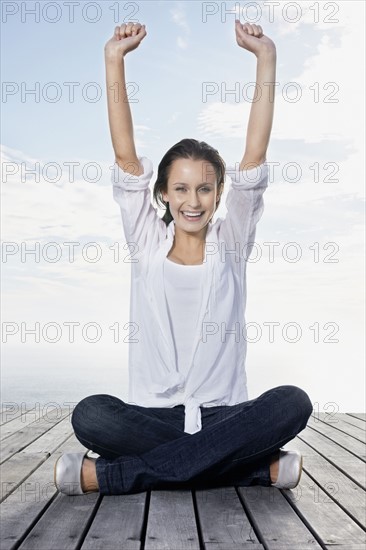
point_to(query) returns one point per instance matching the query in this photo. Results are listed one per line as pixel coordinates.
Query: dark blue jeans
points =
(144, 448)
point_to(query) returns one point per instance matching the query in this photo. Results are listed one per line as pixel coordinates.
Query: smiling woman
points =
(190, 168)
(188, 421)
(189, 185)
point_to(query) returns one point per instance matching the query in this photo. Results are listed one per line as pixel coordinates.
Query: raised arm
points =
(251, 38)
(126, 38)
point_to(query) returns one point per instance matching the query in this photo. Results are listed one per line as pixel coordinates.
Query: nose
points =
(194, 201)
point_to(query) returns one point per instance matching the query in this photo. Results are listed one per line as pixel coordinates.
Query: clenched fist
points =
(125, 39)
(250, 37)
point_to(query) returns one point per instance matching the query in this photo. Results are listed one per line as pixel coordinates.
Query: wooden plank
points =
(16, 470)
(361, 416)
(337, 422)
(12, 410)
(279, 526)
(23, 507)
(332, 525)
(352, 420)
(351, 465)
(334, 482)
(118, 523)
(234, 546)
(19, 466)
(346, 441)
(171, 522)
(63, 523)
(20, 439)
(23, 514)
(224, 524)
(52, 439)
(20, 422)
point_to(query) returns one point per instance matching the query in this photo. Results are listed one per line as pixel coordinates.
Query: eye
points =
(206, 189)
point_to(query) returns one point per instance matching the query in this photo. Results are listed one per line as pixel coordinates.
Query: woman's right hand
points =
(125, 39)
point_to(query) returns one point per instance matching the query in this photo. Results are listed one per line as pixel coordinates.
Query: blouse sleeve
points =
(244, 204)
(140, 219)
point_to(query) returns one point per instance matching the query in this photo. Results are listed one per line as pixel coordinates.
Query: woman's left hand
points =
(250, 37)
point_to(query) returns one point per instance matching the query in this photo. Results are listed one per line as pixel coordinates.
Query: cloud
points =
(174, 117)
(142, 136)
(182, 43)
(319, 104)
(42, 219)
(179, 18)
(319, 99)
(289, 17)
(323, 131)
(223, 119)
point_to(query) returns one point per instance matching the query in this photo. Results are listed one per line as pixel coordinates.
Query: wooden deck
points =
(327, 509)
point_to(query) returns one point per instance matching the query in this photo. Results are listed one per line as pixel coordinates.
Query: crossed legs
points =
(142, 448)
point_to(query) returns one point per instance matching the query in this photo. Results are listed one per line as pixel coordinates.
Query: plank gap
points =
(145, 520)
(307, 524)
(329, 494)
(335, 443)
(342, 430)
(251, 519)
(339, 468)
(34, 522)
(89, 523)
(360, 416)
(197, 518)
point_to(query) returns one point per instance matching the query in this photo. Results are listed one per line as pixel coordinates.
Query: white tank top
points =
(183, 295)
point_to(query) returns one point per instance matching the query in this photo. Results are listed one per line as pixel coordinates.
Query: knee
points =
(298, 402)
(89, 411)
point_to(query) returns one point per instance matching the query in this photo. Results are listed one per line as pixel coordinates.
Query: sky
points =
(64, 260)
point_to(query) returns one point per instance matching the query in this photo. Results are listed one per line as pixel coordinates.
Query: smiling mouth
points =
(193, 217)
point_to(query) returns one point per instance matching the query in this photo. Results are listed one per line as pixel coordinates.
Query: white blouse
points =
(215, 373)
(182, 284)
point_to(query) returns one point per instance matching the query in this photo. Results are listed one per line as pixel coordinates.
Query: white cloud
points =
(142, 136)
(37, 214)
(223, 119)
(330, 75)
(288, 17)
(180, 19)
(182, 43)
(333, 72)
(141, 128)
(36, 289)
(330, 103)
(174, 117)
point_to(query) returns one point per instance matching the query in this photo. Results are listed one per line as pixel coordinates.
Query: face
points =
(192, 189)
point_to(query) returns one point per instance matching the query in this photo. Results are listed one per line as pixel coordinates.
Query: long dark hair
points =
(187, 148)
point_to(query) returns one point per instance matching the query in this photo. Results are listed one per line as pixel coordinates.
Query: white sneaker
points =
(289, 469)
(67, 473)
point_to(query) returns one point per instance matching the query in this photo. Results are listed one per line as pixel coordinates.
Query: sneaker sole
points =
(54, 472)
(300, 471)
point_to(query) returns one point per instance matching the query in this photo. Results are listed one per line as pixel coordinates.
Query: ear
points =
(165, 197)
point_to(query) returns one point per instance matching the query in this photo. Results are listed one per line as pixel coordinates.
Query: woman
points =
(188, 422)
